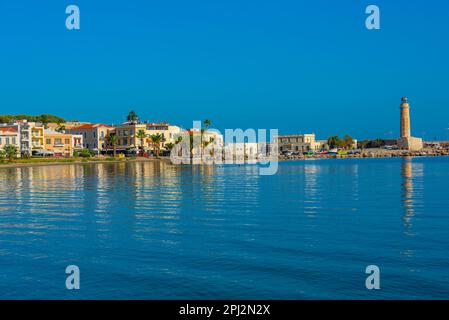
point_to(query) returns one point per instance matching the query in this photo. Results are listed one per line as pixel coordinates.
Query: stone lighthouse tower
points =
(405, 118)
(407, 142)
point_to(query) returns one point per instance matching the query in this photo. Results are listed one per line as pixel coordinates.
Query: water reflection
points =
(412, 190)
(154, 230)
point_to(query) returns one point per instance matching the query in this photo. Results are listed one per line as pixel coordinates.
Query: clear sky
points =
(299, 66)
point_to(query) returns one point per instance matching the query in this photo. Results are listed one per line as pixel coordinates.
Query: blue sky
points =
(299, 66)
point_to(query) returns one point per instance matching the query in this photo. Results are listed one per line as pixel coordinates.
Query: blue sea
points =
(152, 230)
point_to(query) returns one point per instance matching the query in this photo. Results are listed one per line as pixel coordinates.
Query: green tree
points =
(2, 155)
(378, 143)
(132, 117)
(169, 146)
(113, 140)
(334, 142)
(363, 144)
(156, 140)
(44, 119)
(10, 152)
(348, 141)
(141, 135)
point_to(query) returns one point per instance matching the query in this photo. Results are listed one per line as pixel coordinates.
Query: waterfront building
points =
(37, 137)
(9, 135)
(93, 135)
(167, 131)
(298, 143)
(59, 144)
(128, 131)
(406, 141)
(22, 129)
(127, 136)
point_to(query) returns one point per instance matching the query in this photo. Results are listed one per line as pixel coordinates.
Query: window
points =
(67, 141)
(13, 140)
(0, 140)
(7, 141)
(58, 141)
(48, 141)
(95, 134)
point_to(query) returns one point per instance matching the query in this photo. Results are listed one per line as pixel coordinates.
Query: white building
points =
(9, 135)
(298, 143)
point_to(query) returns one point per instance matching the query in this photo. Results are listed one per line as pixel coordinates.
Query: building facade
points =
(37, 137)
(59, 144)
(94, 136)
(128, 139)
(297, 143)
(9, 135)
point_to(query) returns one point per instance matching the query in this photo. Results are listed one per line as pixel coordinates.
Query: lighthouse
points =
(406, 141)
(405, 118)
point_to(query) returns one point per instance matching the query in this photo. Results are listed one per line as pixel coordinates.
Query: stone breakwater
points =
(377, 153)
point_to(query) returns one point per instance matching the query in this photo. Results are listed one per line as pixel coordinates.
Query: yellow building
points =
(37, 137)
(60, 144)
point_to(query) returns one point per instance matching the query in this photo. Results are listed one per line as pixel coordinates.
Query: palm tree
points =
(156, 139)
(206, 125)
(141, 135)
(113, 140)
(169, 146)
(132, 117)
(60, 128)
(10, 151)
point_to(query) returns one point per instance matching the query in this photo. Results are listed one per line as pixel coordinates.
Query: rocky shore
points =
(373, 153)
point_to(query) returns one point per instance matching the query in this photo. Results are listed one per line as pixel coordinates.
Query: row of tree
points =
(43, 118)
(371, 143)
(336, 142)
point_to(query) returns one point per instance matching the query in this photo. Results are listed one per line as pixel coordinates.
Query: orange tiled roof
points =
(91, 126)
(8, 129)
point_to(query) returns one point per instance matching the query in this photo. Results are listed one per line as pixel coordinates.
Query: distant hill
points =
(43, 118)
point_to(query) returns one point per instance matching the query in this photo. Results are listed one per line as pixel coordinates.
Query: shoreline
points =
(280, 159)
(76, 162)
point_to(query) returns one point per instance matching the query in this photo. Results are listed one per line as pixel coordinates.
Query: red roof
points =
(91, 126)
(8, 129)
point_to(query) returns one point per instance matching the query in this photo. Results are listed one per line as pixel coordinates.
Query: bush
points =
(85, 153)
